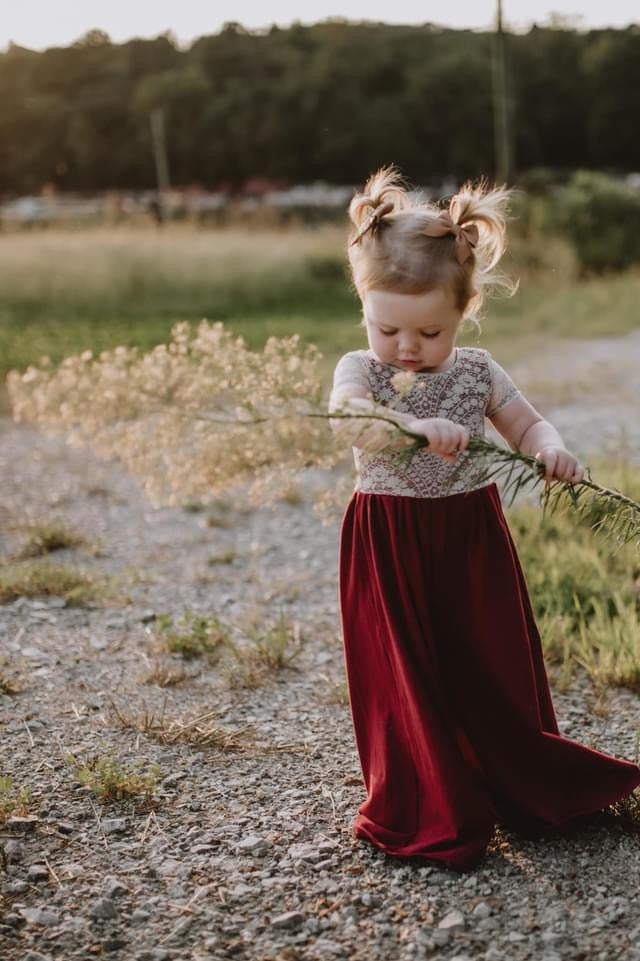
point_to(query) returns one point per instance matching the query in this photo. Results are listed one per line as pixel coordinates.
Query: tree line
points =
(329, 101)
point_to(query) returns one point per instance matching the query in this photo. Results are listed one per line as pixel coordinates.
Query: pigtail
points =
(488, 208)
(386, 187)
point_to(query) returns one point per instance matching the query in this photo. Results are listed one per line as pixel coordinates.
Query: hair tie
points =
(373, 220)
(466, 234)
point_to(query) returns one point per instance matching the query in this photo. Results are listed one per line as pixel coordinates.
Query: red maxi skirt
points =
(450, 701)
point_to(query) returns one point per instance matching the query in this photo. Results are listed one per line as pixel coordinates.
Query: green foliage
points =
(113, 781)
(600, 216)
(312, 102)
(193, 635)
(42, 577)
(12, 801)
(585, 596)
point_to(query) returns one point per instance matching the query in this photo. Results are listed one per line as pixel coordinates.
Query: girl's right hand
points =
(445, 438)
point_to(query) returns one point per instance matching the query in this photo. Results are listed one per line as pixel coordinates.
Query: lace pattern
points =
(475, 387)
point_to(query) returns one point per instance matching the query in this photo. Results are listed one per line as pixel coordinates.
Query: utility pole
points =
(161, 159)
(501, 113)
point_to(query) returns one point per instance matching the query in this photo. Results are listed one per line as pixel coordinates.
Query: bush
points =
(600, 216)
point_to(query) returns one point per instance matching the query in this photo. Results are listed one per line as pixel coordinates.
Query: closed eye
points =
(390, 333)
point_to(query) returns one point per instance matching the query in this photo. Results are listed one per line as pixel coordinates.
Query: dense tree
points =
(329, 101)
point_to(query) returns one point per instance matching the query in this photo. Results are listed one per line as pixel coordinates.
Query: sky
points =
(38, 24)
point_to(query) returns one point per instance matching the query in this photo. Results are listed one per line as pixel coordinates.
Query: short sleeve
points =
(349, 377)
(503, 388)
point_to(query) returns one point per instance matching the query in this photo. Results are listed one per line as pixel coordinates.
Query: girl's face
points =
(412, 331)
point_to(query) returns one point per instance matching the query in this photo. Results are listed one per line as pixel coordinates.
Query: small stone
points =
(38, 872)
(113, 887)
(147, 616)
(16, 887)
(14, 851)
(36, 956)
(114, 825)
(24, 825)
(481, 910)
(304, 852)
(39, 916)
(252, 844)
(453, 919)
(289, 920)
(65, 827)
(103, 909)
(139, 916)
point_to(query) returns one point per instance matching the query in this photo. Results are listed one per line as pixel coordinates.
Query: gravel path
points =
(247, 852)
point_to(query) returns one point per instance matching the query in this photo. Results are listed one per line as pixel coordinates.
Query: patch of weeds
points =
(200, 731)
(112, 781)
(272, 648)
(194, 507)
(44, 537)
(167, 674)
(227, 557)
(193, 636)
(292, 495)
(627, 810)
(7, 684)
(43, 577)
(335, 692)
(13, 802)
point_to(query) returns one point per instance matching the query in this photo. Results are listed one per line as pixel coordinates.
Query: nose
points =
(407, 346)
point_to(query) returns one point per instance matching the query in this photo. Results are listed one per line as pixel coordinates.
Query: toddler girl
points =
(451, 706)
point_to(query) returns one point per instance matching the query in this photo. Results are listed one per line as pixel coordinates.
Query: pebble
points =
(453, 919)
(103, 909)
(114, 825)
(39, 916)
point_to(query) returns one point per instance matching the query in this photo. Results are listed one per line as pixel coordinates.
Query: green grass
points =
(63, 292)
(585, 591)
(41, 577)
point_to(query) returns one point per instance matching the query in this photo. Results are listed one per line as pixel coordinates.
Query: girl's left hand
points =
(560, 463)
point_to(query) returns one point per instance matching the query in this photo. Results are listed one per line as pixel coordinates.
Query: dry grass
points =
(41, 577)
(168, 674)
(45, 537)
(200, 731)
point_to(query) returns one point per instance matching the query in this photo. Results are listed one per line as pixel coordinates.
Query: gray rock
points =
(453, 919)
(38, 872)
(481, 910)
(14, 851)
(39, 916)
(113, 887)
(253, 844)
(23, 824)
(114, 825)
(103, 909)
(292, 919)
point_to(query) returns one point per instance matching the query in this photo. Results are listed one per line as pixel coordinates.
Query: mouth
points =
(413, 362)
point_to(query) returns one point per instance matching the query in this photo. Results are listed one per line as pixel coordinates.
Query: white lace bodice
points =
(473, 388)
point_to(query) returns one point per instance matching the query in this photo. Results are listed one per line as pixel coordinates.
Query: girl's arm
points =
(526, 430)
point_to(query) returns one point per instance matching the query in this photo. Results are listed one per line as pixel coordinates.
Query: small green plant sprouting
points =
(111, 781)
(272, 649)
(193, 636)
(12, 802)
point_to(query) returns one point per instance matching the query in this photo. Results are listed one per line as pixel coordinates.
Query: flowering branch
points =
(177, 417)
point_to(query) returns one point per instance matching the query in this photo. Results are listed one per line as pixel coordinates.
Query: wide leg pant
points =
(450, 701)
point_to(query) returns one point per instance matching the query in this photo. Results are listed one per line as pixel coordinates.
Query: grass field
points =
(63, 291)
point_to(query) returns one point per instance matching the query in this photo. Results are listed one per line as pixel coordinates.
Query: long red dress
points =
(451, 706)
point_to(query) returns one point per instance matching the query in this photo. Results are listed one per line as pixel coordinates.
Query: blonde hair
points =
(396, 255)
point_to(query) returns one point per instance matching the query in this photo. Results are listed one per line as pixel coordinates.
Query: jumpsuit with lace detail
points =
(450, 701)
